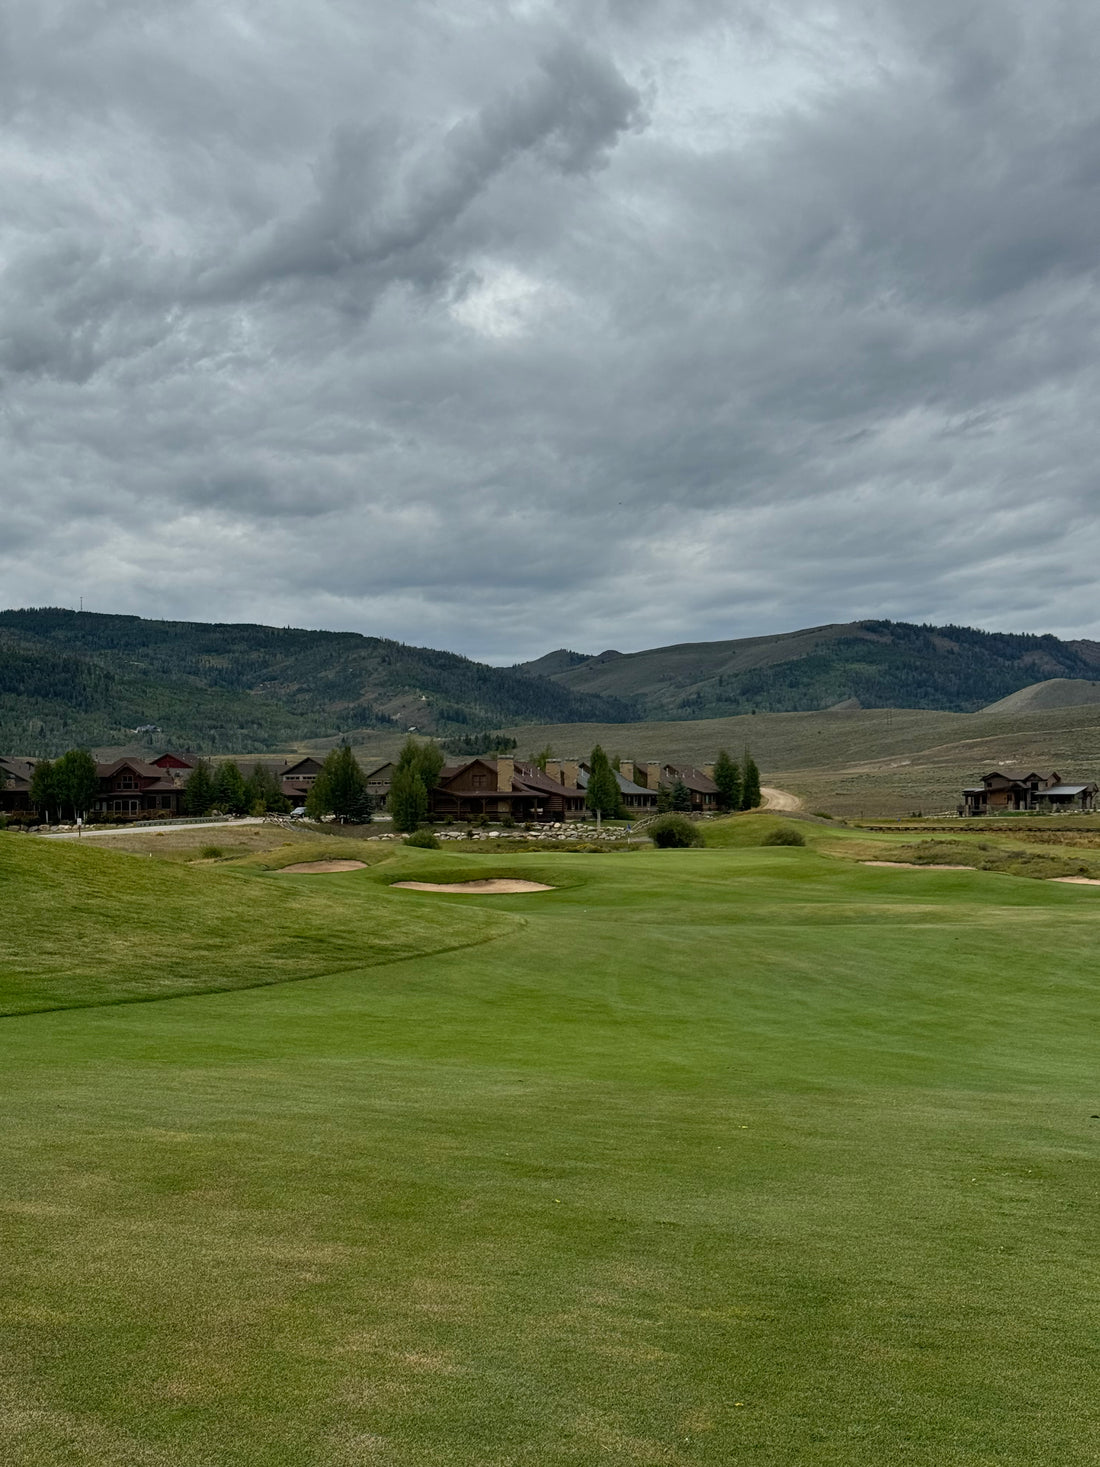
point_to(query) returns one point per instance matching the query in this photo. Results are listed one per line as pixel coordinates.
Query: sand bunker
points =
(919, 866)
(1078, 880)
(309, 868)
(496, 886)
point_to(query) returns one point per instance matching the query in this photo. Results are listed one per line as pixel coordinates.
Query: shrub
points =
(784, 835)
(210, 853)
(674, 831)
(424, 839)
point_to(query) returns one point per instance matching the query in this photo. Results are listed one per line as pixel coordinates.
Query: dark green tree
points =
(425, 759)
(264, 791)
(198, 792)
(664, 799)
(230, 792)
(750, 783)
(602, 795)
(727, 776)
(76, 783)
(43, 791)
(681, 796)
(408, 802)
(340, 789)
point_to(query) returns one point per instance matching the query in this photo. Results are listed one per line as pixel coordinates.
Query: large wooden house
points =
(499, 787)
(999, 793)
(135, 788)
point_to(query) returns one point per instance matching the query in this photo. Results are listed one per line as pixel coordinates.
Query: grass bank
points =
(91, 926)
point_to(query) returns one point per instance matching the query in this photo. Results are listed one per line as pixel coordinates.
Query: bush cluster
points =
(672, 831)
(784, 835)
(424, 839)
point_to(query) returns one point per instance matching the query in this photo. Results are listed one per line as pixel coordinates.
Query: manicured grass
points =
(88, 926)
(725, 1156)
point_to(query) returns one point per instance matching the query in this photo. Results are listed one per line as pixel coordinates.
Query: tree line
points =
(738, 786)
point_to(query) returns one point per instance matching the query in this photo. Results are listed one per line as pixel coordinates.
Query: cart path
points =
(780, 799)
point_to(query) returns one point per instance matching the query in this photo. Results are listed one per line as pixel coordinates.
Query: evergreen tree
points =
(198, 792)
(750, 783)
(664, 799)
(340, 789)
(543, 757)
(681, 796)
(424, 759)
(76, 783)
(43, 791)
(230, 793)
(264, 792)
(602, 795)
(727, 776)
(408, 800)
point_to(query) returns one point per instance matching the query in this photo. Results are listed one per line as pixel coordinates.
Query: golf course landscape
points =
(747, 1154)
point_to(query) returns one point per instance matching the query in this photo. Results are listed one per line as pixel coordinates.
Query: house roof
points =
(139, 767)
(693, 778)
(299, 763)
(1067, 789)
(626, 786)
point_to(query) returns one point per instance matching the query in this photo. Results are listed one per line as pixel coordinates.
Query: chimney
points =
(626, 769)
(553, 769)
(652, 775)
(570, 769)
(506, 768)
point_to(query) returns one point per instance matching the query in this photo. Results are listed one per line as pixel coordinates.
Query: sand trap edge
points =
(321, 868)
(490, 886)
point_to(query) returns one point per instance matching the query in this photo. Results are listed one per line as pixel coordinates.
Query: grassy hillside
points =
(878, 664)
(89, 926)
(876, 761)
(722, 1156)
(1056, 692)
(71, 677)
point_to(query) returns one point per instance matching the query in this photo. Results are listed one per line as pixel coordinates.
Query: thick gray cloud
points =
(498, 326)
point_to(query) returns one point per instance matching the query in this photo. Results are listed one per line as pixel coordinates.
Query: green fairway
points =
(728, 1156)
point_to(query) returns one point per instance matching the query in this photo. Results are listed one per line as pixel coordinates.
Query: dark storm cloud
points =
(499, 326)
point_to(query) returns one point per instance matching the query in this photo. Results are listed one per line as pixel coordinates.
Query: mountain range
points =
(70, 677)
(869, 664)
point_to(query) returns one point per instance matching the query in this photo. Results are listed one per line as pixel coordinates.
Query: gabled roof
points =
(17, 768)
(139, 767)
(693, 778)
(1067, 789)
(306, 759)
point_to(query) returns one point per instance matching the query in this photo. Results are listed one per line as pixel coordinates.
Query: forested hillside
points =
(878, 664)
(79, 677)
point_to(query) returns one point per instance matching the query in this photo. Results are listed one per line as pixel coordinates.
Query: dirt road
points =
(780, 799)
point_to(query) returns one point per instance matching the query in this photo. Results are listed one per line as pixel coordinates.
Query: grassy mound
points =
(92, 926)
(757, 828)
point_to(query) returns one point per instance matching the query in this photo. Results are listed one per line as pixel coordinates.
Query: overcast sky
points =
(505, 326)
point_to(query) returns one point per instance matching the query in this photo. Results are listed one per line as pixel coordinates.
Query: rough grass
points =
(87, 926)
(986, 857)
(719, 1156)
